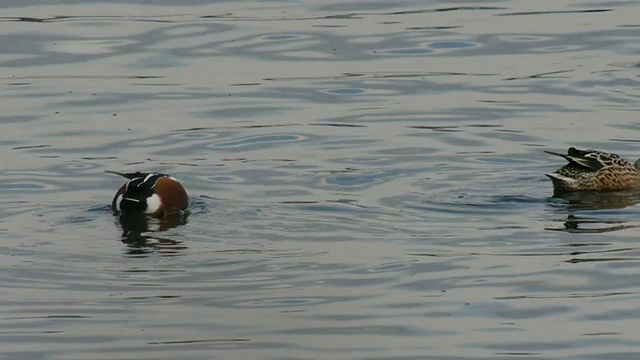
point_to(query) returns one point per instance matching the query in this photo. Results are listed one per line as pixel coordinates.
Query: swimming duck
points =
(156, 195)
(592, 170)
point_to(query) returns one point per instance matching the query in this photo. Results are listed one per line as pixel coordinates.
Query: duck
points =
(153, 194)
(593, 170)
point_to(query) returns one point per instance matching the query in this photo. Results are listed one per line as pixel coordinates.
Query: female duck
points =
(591, 170)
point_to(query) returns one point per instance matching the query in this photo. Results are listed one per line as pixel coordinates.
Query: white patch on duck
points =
(153, 204)
(118, 201)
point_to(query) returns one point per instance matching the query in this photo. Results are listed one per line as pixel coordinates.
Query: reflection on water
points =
(583, 224)
(576, 202)
(136, 229)
(367, 180)
(592, 200)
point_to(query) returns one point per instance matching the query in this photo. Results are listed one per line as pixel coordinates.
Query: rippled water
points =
(366, 179)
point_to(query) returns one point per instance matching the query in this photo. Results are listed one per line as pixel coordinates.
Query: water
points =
(366, 180)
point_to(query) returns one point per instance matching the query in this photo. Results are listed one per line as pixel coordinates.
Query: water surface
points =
(366, 179)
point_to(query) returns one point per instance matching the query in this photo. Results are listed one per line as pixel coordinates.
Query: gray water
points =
(366, 179)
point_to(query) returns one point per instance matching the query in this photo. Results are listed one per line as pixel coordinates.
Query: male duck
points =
(593, 170)
(157, 195)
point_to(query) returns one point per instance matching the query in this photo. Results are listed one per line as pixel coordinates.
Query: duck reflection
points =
(590, 201)
(598, 200)
(591, 225)
(138, 233)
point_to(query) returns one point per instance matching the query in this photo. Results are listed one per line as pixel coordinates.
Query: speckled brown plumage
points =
(591, 170)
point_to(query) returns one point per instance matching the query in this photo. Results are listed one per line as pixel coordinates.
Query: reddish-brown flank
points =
(172, 195)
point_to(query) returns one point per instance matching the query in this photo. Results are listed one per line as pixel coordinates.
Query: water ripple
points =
(366, 180)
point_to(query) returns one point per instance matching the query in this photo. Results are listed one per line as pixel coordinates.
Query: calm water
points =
(366, 179)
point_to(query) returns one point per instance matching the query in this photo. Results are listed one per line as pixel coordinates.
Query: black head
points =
(136, 194)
